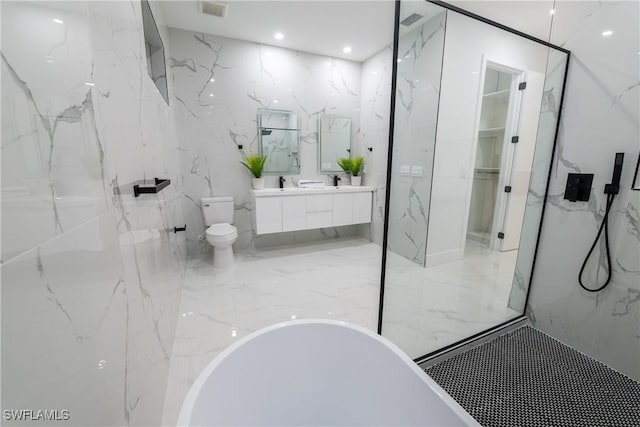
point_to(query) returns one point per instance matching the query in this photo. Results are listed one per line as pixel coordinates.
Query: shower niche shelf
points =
(150, 187)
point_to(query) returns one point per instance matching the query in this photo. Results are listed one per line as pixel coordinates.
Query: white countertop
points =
(297, 191)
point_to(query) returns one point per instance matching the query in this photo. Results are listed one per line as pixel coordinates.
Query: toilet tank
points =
(216, 210)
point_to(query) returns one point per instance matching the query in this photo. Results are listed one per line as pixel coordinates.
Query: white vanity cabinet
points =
(293, 209)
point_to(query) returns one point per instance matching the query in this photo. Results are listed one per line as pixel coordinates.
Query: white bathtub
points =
(317, 373)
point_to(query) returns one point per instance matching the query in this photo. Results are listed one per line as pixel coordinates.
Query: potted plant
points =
(255, 164)
(356, 169)
(345, 164)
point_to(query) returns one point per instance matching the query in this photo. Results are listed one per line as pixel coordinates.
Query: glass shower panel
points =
(475, 118)
(420, 50)
(547, 127)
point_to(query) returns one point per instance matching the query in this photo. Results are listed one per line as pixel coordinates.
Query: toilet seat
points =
(222, 230)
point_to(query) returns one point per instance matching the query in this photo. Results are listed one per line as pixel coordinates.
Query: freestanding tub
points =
(317, 373)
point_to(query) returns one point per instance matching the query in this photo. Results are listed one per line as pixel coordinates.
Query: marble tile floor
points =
(426, 309)
(336, 279)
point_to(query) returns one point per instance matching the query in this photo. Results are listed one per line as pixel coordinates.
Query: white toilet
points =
(217, 213)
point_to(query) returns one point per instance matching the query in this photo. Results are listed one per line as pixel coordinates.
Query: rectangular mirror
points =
(334, 141)
(154, 50)
(279, 138)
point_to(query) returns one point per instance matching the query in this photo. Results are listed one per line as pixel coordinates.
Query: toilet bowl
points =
(217, 213)
(221, 237)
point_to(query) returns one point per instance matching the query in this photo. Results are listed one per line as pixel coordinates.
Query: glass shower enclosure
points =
(475, 114)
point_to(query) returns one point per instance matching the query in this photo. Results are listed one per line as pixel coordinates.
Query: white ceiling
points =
(529, 16)
(321, 27)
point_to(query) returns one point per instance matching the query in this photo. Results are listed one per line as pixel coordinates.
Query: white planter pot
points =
(356, 181)
(257, 183)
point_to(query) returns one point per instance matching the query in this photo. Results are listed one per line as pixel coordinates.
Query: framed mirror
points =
(279, 138)
(154, 50)
(334, 139)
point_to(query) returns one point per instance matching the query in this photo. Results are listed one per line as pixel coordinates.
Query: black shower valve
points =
(578, 187)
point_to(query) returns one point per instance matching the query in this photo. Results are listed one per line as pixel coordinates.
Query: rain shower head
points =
(411, 19)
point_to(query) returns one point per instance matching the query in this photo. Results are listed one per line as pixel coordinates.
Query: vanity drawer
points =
(319, 219)
(319, 203)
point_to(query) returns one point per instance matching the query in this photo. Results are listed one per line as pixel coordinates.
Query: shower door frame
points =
(392, 110)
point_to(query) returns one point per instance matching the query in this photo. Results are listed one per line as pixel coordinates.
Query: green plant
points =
(345, 164)
(356, 165)
(254, 164)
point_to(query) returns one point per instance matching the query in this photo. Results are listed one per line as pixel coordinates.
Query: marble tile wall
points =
(375, 102)
(91, 276)
(600, 118)
(418, 87)
(220, 84)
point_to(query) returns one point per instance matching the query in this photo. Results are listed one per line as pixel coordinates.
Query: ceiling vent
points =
(411, 19)
(214, 8)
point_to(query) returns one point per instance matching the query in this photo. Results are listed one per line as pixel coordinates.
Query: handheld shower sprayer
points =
(611, 190)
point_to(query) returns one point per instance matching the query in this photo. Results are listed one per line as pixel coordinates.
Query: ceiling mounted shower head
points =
(411, 19)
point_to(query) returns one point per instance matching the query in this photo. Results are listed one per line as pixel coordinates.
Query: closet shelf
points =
(492, 130)
(498, 94)
(488, 170)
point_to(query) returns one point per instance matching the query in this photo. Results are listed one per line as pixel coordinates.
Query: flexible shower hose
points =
(605, 227)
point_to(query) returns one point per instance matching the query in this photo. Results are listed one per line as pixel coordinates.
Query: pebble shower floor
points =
(526, 378)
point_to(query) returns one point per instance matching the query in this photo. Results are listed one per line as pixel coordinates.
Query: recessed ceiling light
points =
(275, 101)
(58, 21)
(90, 84)
(607, 33)
(552, 11)
(212, 80)
(374, 72)
(211, 94)
(398, 60)
(278, 36)
(346, 49)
